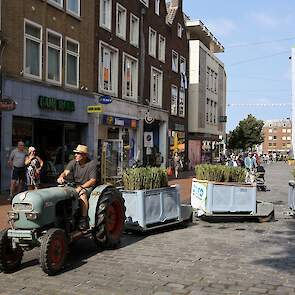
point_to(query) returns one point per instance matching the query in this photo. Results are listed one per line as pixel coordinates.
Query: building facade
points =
(47, 68)
(207, 95)
(277, 136)
(102, 73)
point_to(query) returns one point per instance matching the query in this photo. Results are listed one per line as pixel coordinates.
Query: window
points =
(182, 103)
(108, 66)
(130, 77)
(284, 131)
(183, 81)
(134, 30)
(288, 130)
(145, 2)
(215, 82)
(179, 30)
(270, 144)
(174, 61)
(274, 138)
(73, 6)
(211, 80)
(174, 100)
(33, 50)
(152, 42)
(157, 7)
(53, 60)
(207, 77)
(207, 110)
(58, 3)
(288, 137)
(270, 130)
(162, 48)
(121, 21)
(105, 19)
(72, 63)
(156, 87)
(270, 138)
(284, 138)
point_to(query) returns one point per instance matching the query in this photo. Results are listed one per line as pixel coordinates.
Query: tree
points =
(247, 134)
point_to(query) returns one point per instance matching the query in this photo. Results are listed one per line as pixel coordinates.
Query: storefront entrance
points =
(54, 141)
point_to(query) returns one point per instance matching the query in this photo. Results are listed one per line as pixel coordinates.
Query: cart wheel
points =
(110, 219)
(54, 249)
(10, 259)
(268, 218)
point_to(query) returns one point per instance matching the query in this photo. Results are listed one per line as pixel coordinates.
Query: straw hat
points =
(83, 149)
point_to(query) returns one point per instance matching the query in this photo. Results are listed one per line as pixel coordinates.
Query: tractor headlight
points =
(32, 215)
(13, 215)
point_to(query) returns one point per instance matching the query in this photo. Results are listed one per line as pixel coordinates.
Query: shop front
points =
(177, 142)
(121, 133)
(53, 120)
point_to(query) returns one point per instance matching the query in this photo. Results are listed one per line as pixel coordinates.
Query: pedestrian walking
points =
(16, 162)
(177, 164)
(34, 166)
(250, 165)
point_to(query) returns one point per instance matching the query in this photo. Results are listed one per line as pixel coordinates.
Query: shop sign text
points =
(7, 104)
(105, 99)
(118, 121)
(53, 104)
(94, 109)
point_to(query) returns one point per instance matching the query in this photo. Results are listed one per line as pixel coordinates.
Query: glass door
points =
(114, 158)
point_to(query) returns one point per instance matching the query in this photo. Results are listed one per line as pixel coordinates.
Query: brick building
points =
(277, 136)
(47, 68)
(61, 56)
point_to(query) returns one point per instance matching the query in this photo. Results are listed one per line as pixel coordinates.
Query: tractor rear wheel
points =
(53, 252)
(10, 259)
(110, 219)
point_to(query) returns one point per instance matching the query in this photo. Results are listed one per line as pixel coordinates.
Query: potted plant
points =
(149, 201)
(222, 189)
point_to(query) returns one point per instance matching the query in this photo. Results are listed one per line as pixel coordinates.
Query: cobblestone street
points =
(238, 258)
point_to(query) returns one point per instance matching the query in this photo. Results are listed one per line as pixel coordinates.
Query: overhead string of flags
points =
(258, 104)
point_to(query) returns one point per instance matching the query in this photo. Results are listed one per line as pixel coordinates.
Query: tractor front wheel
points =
(53, 252)
(110, 219)
(10, 258)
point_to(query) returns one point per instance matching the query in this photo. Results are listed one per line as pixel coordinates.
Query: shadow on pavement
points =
(281, 260)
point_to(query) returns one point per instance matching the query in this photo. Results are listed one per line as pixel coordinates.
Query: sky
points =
(257, 37)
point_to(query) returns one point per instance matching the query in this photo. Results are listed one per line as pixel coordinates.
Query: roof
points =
(198, 31)
(278, 123)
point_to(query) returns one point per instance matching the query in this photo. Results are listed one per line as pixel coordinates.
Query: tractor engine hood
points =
(40, 204)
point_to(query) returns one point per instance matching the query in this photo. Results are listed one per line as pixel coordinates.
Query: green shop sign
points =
(51, 103)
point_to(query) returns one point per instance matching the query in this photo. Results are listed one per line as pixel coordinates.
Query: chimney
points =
(176, 3)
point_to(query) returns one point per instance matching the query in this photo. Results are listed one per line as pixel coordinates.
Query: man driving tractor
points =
(84, 173)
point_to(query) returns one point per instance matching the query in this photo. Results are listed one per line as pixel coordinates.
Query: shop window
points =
(33, 50)
(152, 42)
(121, 16)
(182, 103)
(134, 30)
(130, 77)
(174, 61)
(73, 6)
(22, 130)
(174, 100)
(156, 87)
(105, 19)
(108, 66)
(162, 48)
(54, 50)
(72, 63)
